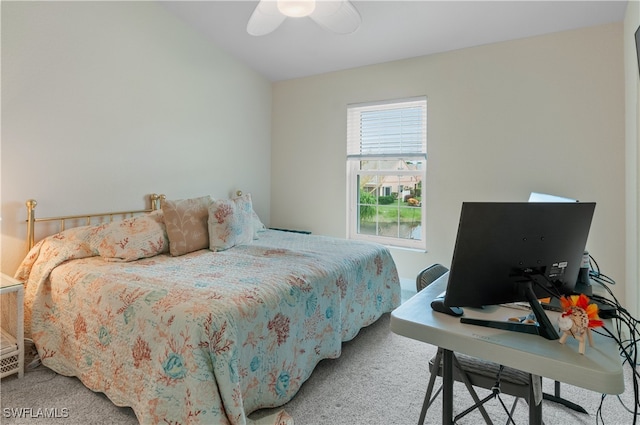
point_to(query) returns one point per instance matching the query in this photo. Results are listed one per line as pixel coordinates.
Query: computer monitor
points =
(546, 197)
(583, 283)
(517, 251)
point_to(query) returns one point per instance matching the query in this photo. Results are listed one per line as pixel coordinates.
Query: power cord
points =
(622, 321)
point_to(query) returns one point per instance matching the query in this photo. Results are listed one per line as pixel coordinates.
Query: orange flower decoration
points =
(582, 301)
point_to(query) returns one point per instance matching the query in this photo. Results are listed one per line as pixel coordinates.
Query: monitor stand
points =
(544, 327)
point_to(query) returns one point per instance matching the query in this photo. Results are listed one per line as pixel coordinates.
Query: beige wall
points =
(632, 143)
(539, 114)
(105, 102)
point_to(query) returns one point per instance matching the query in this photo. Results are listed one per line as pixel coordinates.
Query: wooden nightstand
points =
(11, 327)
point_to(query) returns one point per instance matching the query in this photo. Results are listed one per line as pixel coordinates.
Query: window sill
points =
(404, 248)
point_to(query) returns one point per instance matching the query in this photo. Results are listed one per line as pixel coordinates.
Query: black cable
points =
(594, 272)
(599, 411)
(546, 288)
(627, 347)
(621, 321)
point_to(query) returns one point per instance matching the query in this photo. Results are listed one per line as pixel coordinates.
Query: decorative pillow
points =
(256, 223)
(258, 226)
(230, 223)
(133, 238)
(80, 238)
(53, 250)
(186, 221)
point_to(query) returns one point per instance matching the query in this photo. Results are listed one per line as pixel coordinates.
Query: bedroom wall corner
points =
(104, 103)
(632, 157)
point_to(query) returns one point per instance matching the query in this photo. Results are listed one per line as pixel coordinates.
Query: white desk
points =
(599, 369)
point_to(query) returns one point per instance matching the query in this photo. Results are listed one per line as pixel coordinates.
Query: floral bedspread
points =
(207, 337)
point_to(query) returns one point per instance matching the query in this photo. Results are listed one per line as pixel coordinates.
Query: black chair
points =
(474, 372)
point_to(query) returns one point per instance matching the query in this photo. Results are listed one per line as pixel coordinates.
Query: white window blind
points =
(386, 168)
(387, 130)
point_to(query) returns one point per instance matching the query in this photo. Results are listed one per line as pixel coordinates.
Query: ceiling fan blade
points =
(339, 16)
(265, 18)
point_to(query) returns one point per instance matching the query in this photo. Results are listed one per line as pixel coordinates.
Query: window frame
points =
(354, 171)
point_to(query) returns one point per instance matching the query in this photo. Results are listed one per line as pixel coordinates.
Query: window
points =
(386, 168)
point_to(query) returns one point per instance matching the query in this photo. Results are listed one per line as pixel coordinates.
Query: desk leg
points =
(447, 387)
(535, 411)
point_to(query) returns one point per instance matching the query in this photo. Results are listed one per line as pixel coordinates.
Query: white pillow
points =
(230, 223)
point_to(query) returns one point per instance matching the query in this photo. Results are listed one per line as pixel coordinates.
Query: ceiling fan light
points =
(296, 8)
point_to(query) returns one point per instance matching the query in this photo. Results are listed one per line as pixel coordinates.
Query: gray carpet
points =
(380, 378)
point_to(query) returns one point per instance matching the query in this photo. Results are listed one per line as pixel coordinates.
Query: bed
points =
(201, 335)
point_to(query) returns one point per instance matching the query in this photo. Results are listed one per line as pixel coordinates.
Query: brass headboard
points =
(156, 202)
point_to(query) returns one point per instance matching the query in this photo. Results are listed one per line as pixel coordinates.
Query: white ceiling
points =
(390, 30)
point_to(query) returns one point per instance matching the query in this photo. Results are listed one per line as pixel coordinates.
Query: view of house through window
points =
(386, 167)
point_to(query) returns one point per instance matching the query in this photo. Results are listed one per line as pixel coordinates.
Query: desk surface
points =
(599, 369)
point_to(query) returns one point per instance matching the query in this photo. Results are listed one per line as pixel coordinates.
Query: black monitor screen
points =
(503, 248)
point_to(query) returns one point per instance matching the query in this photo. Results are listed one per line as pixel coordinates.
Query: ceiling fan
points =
(338, 16)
